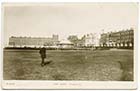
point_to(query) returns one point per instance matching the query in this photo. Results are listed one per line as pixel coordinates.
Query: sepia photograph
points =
(69, 41)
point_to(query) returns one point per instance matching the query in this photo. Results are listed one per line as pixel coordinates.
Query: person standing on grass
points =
(43, 55)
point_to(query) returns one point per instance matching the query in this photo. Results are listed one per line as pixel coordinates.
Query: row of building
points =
(33, 41)
(86, 40)
(123, 38)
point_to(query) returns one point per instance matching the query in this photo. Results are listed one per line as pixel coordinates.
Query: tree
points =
(74, 39)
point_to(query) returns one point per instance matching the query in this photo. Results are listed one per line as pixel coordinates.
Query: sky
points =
(64, 19)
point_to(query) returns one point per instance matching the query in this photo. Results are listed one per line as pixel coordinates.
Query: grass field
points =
(97, 65)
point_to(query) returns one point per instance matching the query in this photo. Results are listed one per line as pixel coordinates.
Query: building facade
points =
(91, 40)
(33, 41)
(123, 38)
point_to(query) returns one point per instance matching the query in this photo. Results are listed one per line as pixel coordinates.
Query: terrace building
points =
(91, 40)
(33, 41)
(124, 38)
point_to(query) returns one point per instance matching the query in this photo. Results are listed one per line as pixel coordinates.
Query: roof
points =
(65, 42)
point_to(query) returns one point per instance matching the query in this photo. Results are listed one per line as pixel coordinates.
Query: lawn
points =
(94, 65)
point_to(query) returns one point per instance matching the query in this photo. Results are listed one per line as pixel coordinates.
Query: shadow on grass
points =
(127, 74)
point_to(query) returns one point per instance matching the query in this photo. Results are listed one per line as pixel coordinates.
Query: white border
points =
(22, 84)
(67, 85)
(40, 1)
